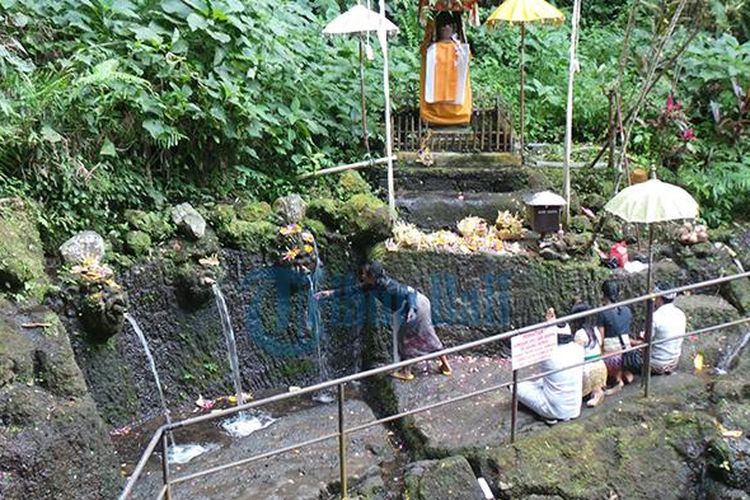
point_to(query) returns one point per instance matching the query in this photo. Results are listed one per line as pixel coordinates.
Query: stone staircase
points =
(459, 185)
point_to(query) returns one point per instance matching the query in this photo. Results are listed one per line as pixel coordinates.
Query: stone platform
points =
(306, 473)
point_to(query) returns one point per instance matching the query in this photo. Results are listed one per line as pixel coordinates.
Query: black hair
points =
(564, 338)
(374, 270)
(444, 18)
(663, 286)
(611, 290)
(588, 323)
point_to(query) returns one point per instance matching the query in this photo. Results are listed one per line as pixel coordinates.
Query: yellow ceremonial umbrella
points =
(522, 12)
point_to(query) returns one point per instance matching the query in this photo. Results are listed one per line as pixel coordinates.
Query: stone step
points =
(462, 160)
(466, 179)
(443, 209)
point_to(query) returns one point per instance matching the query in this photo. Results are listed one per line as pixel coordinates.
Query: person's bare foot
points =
(628, 377)
(595, 398)
(614, 389)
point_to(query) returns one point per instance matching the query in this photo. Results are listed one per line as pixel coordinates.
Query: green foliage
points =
(114, 104)
(717, 85)
(110, 105)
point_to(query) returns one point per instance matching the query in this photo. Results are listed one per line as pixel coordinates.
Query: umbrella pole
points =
(649, 314)
(366, 134)
(383, 37)
(523, 91)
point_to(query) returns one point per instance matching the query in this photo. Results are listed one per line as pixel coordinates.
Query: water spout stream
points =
(226, 327)
(725, 363)
(151, 364)
(244, 423)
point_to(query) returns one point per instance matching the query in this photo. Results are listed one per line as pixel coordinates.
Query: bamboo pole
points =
(572, 69)
(523, 91)
(365, 132)
(348, 166)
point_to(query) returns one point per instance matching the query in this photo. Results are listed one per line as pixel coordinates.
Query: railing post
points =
(514, 408)
(646, 375)
(342, 446)
(165, 464)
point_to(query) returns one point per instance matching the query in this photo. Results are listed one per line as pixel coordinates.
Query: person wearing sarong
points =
(557, 396)
(411, 316)
(615, 325)
(445, 82)
(587, 335)
(669, 322)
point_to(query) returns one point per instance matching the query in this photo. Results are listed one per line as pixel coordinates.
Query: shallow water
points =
(245, 423)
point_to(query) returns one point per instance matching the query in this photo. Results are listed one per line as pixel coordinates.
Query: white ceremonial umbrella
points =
(359, 20)
(649, 203)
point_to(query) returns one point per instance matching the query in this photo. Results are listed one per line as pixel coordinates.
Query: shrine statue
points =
(445, 83)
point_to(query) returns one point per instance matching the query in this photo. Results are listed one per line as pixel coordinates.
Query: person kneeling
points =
(557, 396)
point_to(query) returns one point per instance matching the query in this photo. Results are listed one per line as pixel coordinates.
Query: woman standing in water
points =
(411, 314)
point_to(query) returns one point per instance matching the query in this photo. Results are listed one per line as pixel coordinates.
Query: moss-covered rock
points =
(221, 215)
(255, 211)
(645, 457)
(581, 223)
(366, 218)
(729, 461)
(251, 236)
(351, 183)
(326, 210)
(139, 243)
(52, 441)
(21, 252)
(447, 479)
(154, 224)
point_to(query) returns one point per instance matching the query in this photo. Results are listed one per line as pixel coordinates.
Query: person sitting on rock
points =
(557, 396)
(411, 316)
(669, 322)
(615, 325)
(588, 335)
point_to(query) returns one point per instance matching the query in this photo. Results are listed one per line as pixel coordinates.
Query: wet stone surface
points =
(301, 474)
(478, 422)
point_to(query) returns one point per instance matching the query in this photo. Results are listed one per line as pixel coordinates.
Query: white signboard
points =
(532, 348)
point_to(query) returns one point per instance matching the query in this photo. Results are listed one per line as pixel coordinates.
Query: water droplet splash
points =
(324, 397)
(183, 453)
(244, 424)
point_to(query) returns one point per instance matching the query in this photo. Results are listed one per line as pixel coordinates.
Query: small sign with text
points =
(532, 348)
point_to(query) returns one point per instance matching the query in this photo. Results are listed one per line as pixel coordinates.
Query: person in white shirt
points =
(557, 396)
(669, 322)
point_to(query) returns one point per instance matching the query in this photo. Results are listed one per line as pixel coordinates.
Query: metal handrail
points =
(162, 431)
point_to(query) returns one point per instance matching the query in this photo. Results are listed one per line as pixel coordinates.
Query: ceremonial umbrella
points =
(522, 12)
(360, 20)
(649, 203)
